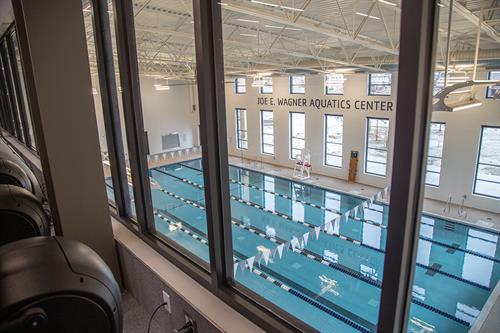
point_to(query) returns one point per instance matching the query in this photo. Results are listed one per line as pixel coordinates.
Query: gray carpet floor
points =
(135, 319)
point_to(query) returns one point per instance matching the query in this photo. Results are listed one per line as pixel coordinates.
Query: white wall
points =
(171, 111)
(460, 147)
(164, 112)
(355, 88)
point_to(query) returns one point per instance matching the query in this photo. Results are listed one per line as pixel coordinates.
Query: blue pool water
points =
(333, 284)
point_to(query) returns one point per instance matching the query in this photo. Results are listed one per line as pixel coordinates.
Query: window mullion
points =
(132, 110)
(210, 76)
(17, 88)
(418, 22)
(110, 109)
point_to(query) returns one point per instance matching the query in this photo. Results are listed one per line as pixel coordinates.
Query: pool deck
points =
(475, 217)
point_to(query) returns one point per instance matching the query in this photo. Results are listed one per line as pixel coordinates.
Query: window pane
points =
(267, 88)
(376, 146)
(267, 131)
(488, 167)
(495, 89)
(297, 84)
(380, 84)
(490, 145)
(333, 139)
(334, 84)
(457, 257)
(432, 178)
(96, 92)
(23, 92)
(10, 93)
(170, 111)
(241, 128)
(240, 85)
(332, 282)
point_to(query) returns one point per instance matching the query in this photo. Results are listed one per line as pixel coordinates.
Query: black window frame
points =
(237, 86)
(418, 22)
(239, 140)
(440, 158)
(367, 131)
(332, 94)
(370, 84)
(262, 134)
(15, 110)
(291, 137)
(261, 89)
(325, 141)
(291, 85)
(489, 90)
(478, 164)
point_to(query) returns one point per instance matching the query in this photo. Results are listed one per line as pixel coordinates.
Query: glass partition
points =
(308, 240)
(457, 259)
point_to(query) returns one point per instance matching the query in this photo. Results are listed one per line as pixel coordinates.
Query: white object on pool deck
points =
(486, 224)
(303, 165)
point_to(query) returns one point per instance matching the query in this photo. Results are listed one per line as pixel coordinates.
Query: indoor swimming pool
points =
(332, 283)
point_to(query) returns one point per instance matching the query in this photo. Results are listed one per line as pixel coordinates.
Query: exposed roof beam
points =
(469, 16)
(314, 26)
(262, 48)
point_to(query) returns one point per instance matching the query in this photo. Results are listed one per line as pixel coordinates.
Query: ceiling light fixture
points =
(161, 87)
(366, 15)
(245, 20)
(387, 3)
(264, 3)
(292, 8)
(248, 35)
(470, 104)
(277, 6)
(281, 27)
(344, 70)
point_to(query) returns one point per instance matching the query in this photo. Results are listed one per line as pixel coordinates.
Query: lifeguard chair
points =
(303, 165)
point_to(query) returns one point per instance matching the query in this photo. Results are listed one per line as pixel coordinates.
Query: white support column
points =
(54, 52)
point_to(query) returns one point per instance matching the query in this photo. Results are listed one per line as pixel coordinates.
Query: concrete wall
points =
(460, 146)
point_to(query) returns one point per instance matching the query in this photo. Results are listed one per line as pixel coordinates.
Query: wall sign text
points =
(327, 103)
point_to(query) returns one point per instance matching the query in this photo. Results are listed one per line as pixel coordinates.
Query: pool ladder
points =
(460, 209)
(447, 207)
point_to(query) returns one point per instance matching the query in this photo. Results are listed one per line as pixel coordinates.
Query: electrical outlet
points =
(187, 319)
(166, 300)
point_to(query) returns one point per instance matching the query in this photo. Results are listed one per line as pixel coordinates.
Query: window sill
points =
(202, 300)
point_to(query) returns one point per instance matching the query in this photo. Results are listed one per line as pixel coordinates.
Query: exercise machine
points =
(51, 284)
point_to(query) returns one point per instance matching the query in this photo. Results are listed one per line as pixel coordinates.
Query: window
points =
(297, 133)
(333, 140)
(492, 90)
(22, 86)
(377, 134)
(488, 165)
(240, 85)
(435, 154)
(334, 84)
(297, 84)
(379, 84)
(438, 82)
(267, 132)
(267, 88)
(241, 129)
